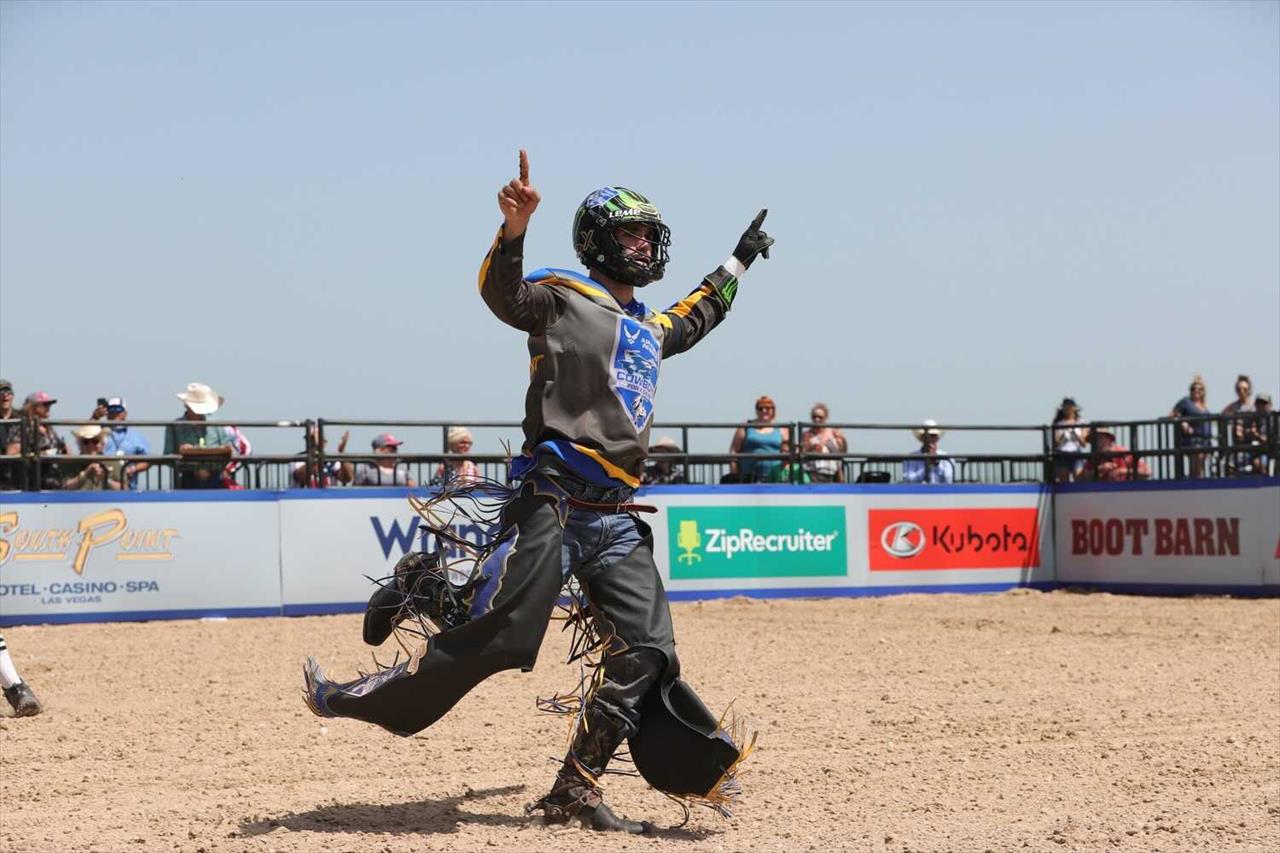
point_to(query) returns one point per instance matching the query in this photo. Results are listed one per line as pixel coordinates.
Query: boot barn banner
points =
(1219, 534)
(68, 557)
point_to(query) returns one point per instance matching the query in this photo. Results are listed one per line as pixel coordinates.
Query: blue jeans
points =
(594, 541)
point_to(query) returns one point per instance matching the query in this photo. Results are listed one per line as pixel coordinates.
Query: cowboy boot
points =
(575, 793)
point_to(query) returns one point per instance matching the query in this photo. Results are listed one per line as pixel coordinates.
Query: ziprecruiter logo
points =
(756, 542)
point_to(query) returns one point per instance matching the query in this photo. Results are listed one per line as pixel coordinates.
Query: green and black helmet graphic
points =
(606, 212)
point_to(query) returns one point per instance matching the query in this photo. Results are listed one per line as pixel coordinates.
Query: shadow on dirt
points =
(425, 817)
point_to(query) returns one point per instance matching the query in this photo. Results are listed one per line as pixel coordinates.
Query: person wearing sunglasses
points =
(41, 437)
(759, 436)
(386, 469)
(10, 436)
(458, 471)
(92, 476)
(1193, 428)
(824, 442)
(121, 439)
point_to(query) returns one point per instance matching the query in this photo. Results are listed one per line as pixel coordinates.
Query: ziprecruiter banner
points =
(757, 541)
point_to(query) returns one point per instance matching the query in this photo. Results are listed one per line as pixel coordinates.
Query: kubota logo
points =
(902, 539)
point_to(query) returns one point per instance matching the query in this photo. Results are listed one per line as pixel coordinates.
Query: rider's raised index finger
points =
(524, 167)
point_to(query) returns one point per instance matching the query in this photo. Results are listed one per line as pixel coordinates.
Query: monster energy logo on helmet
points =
(600, 215)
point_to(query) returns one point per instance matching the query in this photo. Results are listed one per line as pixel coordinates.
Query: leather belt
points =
(609, 509)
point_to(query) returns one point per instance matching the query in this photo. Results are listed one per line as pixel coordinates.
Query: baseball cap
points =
(116, 403)
(6, 385)
(36, 397)
(386, 440)
(1263, 398)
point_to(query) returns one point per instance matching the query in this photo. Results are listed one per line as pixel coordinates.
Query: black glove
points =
(753, 241)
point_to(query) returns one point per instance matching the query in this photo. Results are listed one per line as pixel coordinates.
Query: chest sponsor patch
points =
(634, 370)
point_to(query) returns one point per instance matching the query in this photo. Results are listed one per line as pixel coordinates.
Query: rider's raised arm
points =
(513, 300)
(692, 318)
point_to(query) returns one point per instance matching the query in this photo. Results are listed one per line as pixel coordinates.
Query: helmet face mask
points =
(609, 212)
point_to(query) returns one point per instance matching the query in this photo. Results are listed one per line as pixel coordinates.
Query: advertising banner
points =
(975, 537)
(76, 560)
(757, 541)
(941, 539)
(67, 557)
(333, 548)
(1211, 536)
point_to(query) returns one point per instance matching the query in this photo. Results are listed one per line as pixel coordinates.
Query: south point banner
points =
(72, 561)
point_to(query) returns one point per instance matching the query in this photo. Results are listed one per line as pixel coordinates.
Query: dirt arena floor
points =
(1022, 721)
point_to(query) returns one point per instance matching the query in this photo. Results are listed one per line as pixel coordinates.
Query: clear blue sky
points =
(979, 208)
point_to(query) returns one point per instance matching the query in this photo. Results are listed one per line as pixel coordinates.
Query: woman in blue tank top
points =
(760, 436)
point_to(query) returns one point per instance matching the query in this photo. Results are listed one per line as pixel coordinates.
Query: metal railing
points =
(1161, 449)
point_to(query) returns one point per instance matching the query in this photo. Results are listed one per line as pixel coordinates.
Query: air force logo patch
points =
(634, 377)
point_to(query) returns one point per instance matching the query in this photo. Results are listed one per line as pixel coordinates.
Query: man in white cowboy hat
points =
(931, 466)
(189, 435)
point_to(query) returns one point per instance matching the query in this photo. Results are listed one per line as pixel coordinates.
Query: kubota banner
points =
(939, 539)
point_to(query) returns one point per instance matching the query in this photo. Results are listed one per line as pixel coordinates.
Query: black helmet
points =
(600, 215)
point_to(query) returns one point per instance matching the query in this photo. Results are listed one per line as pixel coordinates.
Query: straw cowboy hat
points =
(930, 428)
(88, 432)
(201, 399)
(666, 444)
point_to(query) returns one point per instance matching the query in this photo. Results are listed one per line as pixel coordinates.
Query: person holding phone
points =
(122, 439)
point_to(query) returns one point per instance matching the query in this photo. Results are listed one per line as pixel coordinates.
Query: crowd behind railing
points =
(113, 452)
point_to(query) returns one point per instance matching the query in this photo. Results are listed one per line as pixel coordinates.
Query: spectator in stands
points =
(1070, 441)
(191, 437)
(822, 440)
(41, 437)
(385, 471)
(459, 471)
(932, 466)
(10, 436)
(1193, 434)
(1115, 462)
(310, 474)
(661, 470)
(762, 437)
(240, 446)
(1243, 403)
(122, 440)
(92, 476)
(1237, 417)
(1257, 432)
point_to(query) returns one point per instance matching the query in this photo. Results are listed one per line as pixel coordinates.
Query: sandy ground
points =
(1009, 722)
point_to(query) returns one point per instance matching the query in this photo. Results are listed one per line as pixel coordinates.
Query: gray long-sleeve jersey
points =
(593, 367)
